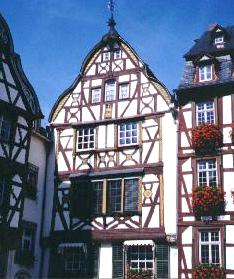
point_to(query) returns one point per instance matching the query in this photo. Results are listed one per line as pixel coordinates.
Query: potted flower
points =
(208, 201)
(206, 138)
(208, 271)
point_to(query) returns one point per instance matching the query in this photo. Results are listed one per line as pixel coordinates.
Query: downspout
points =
(43, 213)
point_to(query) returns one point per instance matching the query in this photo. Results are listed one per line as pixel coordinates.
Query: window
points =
(122, 195)
(207, 173)
(117, 54)
(210, 247)
(128, 133)
(219, 39)
(85, 138)
(205, 112)
(97, 197)
(141, 257)
(205, 73)
(2, 191)
(31, 187)
(96, 95)
(5, 128)
(110, 89)
(27, 244)
(124, 91)
(106, 56)
(75, 260)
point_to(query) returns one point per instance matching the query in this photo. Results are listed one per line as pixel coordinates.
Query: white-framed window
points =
(141, 257)
(210, 247)
(117, 53)
(110, 90)
(85, 138)
(219, 39)
(5, 128)
(205, 73)
(96, 95)
(124, 91)
(205, 112)
(207, 172)
(106, 56)
(128, 133)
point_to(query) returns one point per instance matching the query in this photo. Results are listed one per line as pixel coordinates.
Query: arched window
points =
(110, 90)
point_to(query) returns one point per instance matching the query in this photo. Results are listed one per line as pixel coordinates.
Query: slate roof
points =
(205, 45)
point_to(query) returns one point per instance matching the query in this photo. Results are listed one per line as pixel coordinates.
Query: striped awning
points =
(138, 242)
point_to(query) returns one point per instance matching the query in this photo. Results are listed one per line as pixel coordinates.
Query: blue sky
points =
(54, 36)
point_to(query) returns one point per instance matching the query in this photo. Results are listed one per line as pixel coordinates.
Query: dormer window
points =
(205, 73)
(219, 39)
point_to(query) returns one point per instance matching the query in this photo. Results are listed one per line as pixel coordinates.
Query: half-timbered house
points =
(205, 154)
(23, 149)
(114, 207)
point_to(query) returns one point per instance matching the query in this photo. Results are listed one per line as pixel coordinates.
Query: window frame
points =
(210, 243)
(106, 55)
(31, 188)
(205, 112)
(139, 259)
(123, 134)
(5, 118)
(88, 141)
(121, 85)
(119, 51)
(92, 99)
(205, 73)
(207, 171)
(219, 39)
(109, 96)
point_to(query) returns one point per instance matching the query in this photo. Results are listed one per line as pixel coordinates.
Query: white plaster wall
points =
(173, 262)
(227, 109)
(169, 147)
(105, 261)
(228, 178)
(188, 256)
(187, 237)
(229, 258)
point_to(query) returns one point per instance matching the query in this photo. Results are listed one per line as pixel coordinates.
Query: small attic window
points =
(205, 73)
(117, 53)
(219, 39)
(106, 56)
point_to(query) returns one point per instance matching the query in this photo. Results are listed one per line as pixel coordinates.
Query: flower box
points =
(206, 138)
(141, 274)
(208, 271)
(208, 201)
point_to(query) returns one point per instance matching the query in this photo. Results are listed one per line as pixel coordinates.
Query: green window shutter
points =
(162, 259)
(117, 260)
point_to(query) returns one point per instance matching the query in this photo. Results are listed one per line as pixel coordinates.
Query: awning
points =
(138, 242)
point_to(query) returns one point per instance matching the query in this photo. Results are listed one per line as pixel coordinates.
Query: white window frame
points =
(205, 73)
(219, 39)
(138, 261)
(110, 90)
(126, 134)
(85, 138)
(124, 91)
(117, 53)
(210, 243)
(206, 111)
(106, 55)
(206, 167)
(95, 95)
